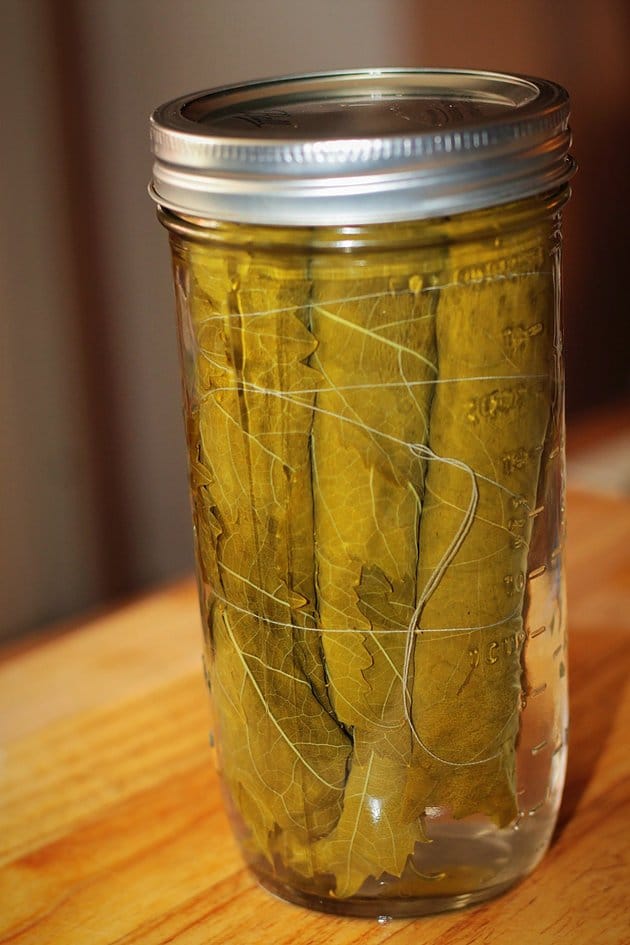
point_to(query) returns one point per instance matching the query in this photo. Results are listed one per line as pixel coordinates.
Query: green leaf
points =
(488, 422)
(283, 754)
(375, 356)
(372, 838)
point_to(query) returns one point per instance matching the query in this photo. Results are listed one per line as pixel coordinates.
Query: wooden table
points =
(111, 824)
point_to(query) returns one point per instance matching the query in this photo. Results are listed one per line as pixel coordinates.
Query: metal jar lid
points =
(355, 147)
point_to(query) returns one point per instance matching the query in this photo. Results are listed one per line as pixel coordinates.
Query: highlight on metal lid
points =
(366, 146)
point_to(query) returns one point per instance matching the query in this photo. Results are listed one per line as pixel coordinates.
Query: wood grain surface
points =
(112, 830)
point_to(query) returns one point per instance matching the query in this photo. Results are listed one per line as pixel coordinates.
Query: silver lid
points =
(366, 146)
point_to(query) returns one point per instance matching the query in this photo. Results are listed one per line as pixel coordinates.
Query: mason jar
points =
(367, 275)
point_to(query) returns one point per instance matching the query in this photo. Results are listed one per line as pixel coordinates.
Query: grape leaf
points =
(489, 415)
(375, 355)
(372, 837)
(283, 754)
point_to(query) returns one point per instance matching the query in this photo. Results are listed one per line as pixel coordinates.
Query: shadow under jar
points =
(366, 268)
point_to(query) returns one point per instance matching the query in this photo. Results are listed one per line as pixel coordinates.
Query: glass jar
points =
(373, 390)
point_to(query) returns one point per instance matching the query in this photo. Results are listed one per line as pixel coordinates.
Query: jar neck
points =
(462, 227)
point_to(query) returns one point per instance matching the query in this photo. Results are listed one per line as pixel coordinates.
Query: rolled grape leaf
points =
(283, 755)
(494, 329)
(372, 837)
(376, 360)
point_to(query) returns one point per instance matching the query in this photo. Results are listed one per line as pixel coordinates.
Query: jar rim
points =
(360, 146)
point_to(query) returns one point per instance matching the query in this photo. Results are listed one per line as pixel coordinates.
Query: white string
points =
(288, 625)
(397, 293)
(418, 449)
(244, 385)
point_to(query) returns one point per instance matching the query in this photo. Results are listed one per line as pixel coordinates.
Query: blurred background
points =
(93, 483)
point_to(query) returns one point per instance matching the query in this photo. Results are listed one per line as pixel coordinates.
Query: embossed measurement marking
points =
(541, 508)
(537, 632)
(557, 652)
(537, 572)
(533, 810)
(538, 691)
(536, 750)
